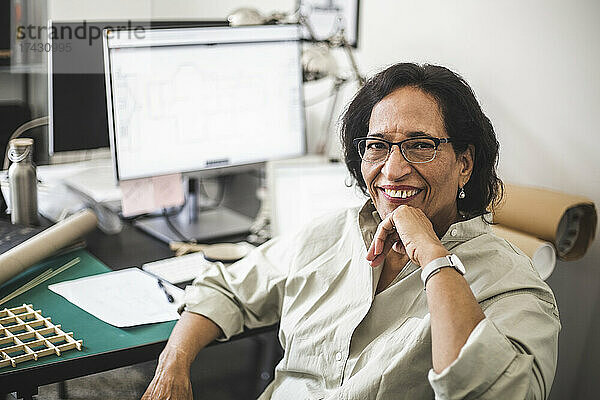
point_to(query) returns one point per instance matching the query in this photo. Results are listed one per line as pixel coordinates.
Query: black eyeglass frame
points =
(437, 141)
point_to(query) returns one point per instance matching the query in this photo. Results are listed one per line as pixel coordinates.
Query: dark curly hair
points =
(463, 119)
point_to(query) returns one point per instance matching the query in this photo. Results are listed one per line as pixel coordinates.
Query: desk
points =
(101, 351)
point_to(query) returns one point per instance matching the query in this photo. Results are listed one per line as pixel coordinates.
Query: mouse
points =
(227, 252)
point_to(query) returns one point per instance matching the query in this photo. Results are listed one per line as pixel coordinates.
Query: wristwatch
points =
(451, 261)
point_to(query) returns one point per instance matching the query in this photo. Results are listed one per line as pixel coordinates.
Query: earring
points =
(461, 193)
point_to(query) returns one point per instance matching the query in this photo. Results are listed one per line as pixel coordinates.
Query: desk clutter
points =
(225, 252)
(45, 244)
(125, 298)
(12, 235)
(546, 224)
(25, 334)
(567, 221)
(41, 278)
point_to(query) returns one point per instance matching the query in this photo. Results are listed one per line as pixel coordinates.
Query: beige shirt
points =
(342, 341)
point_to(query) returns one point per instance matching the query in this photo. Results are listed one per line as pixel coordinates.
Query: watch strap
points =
(436, 265)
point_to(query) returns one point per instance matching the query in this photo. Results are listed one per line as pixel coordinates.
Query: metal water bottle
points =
(22, 180)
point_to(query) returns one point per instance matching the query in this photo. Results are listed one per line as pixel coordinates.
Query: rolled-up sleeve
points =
(511, 354)
(247, 293)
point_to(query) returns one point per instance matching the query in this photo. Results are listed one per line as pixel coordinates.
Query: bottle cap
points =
(19, 149)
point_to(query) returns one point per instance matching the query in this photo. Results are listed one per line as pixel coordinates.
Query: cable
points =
(220, 195)
(176, 231)
(172, 212)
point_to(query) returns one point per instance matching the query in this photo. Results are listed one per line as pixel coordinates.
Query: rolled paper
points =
(567, 221)
(45, 243)
(541, 252)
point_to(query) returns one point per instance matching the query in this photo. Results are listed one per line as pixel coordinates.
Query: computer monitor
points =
(203, 101)
(5, 15)
(76, 84)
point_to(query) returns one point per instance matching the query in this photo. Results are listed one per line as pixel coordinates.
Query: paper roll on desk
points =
(541, 252)
(565, 220)
(45, 243)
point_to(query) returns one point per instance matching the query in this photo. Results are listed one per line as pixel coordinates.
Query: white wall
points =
(533, 65)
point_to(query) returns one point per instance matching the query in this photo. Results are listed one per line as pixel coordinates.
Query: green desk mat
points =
(98, 336)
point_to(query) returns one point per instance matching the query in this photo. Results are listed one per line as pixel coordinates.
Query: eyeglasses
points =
(416, 150)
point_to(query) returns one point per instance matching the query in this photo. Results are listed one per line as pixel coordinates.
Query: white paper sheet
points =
(123, 298)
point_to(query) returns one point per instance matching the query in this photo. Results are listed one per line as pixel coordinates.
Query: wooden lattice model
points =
(26, 335)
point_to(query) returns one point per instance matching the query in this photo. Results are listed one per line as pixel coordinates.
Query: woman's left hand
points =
(407, 230)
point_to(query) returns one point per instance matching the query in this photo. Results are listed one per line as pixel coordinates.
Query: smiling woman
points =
(347, 290)
(450, 109)
(416, 141)
(406, 113)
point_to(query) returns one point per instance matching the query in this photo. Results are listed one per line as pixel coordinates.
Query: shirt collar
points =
(369, 219)
(467, 229)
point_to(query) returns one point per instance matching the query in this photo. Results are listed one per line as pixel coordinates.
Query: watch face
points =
(457, 263)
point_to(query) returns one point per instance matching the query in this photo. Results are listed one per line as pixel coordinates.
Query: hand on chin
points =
(409, 231)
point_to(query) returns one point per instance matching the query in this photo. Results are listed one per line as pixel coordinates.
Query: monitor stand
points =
(209, 225)
(200, 226)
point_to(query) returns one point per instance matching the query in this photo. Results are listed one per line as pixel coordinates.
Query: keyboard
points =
(12, 235)
(178, 269)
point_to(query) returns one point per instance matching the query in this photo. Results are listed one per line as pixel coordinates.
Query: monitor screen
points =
(197, 99)
(76, 84)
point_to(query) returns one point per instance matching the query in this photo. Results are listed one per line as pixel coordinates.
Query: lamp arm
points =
(348, 49)
(302, 20)
(325, 139)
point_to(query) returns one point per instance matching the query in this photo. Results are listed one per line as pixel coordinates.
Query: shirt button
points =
(454, 232)
(338, 356)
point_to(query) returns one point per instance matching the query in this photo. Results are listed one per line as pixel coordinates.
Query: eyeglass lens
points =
(417, 150)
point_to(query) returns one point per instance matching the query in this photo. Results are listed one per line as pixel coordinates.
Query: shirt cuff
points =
(215, 306)
(483, 358)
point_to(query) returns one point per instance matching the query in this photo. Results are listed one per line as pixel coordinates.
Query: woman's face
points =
(432, 186)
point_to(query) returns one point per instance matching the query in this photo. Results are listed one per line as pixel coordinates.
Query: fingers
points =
(385, 228)
(148, 393)
(153, 391)
(406, 230)
(174, 388)
(382, 243)
(398, 247)
(150, 390)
